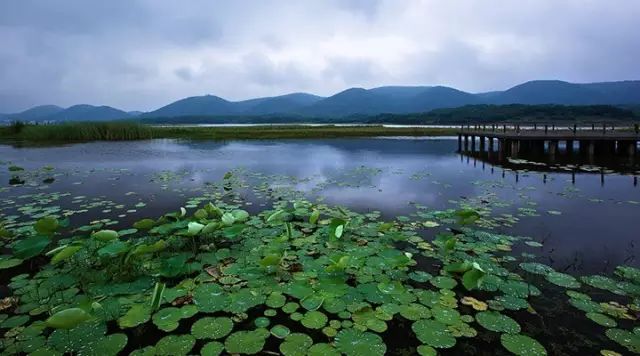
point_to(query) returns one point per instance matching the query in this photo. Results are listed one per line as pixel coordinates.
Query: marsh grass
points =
(80, 131)
(121, 131)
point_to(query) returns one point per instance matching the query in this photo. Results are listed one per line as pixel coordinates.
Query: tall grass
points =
(85, 131)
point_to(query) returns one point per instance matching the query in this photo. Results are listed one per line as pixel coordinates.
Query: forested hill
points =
(464, 114)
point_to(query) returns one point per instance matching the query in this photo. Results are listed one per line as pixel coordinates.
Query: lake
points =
(587, 222)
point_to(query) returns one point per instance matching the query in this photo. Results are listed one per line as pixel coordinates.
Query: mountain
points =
(195, 105)
(359, 101)
(36, 113)
(549, 92)
(279, 104)
(213, 105)
(87, 113)
(349, 102)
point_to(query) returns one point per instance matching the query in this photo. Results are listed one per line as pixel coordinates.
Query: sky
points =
(143, 54)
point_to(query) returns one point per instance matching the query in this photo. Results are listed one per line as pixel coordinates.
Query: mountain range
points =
(357, 101)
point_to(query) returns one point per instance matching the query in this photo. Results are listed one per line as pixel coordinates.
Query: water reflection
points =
(593, 227)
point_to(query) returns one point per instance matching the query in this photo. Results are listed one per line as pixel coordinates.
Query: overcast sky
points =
(142, 54)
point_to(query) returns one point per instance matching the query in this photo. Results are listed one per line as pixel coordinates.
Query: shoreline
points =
(87, 132)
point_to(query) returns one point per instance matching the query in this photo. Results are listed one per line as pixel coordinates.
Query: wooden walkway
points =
(511, 140)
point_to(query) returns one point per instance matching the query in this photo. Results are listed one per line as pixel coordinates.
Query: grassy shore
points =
(120, 131)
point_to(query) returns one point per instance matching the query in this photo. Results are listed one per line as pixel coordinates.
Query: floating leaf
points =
(494, 321)
(68, 318)
(563, 280)
(314, 320)
(296, 344)
(630, 340)
(280, 331)
(433, 333)
(602, 319)
(175, 345)
(30, 247)
(136, 315)
(212, 328)
(245, 342)
(522, 345)
(353, 342)
(105, 235)
(46, 226)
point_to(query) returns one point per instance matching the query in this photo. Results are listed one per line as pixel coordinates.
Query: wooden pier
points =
(512, 140)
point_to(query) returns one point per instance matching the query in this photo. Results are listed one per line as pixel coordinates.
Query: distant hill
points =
(359, 101)
(36, 113)
(87, 113)
(74, 113)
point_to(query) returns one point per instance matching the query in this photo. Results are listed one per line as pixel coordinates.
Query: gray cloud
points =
(141, 54)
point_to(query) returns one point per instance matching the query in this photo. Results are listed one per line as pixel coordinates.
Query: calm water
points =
(587, 224)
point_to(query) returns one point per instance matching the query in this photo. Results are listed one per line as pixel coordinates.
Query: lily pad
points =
(175, 345)
(494, 321)
(296, 344)
(314, 320)
(211, 328)
(352, 342)
(433, 333)
(522, 345)
(245, 342)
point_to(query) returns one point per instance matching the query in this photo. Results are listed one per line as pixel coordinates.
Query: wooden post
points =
(481, 144)
(473, 143)
(460, 143)
(553, 147)
(466, 143)
(569, 144)
(490, 144)
(514, 148)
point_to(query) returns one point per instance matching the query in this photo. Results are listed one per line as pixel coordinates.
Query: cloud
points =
(141, 54)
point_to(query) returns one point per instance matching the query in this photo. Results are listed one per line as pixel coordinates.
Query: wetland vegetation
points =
(252, 261)
(122, 131)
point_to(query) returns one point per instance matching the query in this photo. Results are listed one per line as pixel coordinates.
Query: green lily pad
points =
(211, 328)
(168, 319)
(522, 345)
(497, 322)
(296, 344)
(563, 280)
(30, 247)
(245, 342)
(175, 345)
(280, 331)
(323, 349)
(138, 314)
(314, 320)
(444, 282)
(213, 348)
(602, 319)
(433, 333)
(536, 268)
(630, 340)
(352, 342)
(68, 318)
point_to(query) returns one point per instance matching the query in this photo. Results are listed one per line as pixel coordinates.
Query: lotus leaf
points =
(211, 328)
(68, 318)
(630, 340)
(168, 319)
(563, 280)
(175, 345)
(602, 319)
(497, 322)
(353, 342)
(522, 345)
(213, 348)
(433, 333)
(296, 344)
(245, 342)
